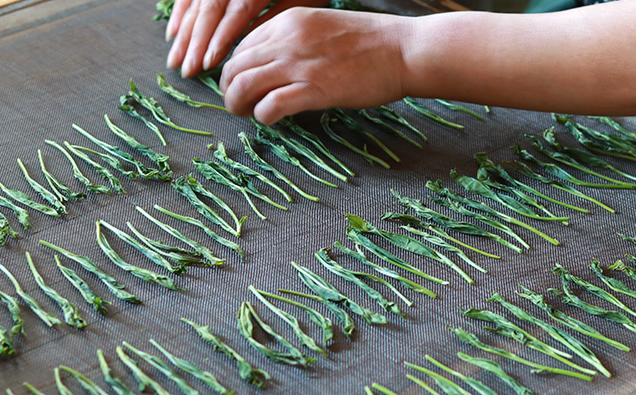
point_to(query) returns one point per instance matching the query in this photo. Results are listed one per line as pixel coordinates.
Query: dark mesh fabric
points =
(68, 62)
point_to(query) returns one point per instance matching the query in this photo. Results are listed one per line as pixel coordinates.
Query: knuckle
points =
(212, 7)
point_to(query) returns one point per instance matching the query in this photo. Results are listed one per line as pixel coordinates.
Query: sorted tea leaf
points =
(206, 77)
(477, 385)
(144, 274)
(429, 114)
(327, 291)
(471, 339)
(405, 242)
(204, 251)
(161, 366)
(164, 8)
(142, 378)
(246, 370)
(455, 107)
(23, 198)
(130, 110)
(57, 186)
(445, 384)
(87, 293)
(260, 162)
(46, 195)
(603, 143)
(61, 388)
(355, 277)
(6, 344)
(392, 115)
(383, 270)
(71, 313)
(192, 221)
(116, 384)
(566, 320)
(48, 318)
(110, 160)
(181, 256)
(14, 310)
(612, 283)
(6, 230)
(84, 381)
(101, 170)
(326, 119)
(388, 127)
(496, 369)
(22, 214)
(78, 173)
(192, 369)
(291, 321)
(151, 105)
(111, 283)
(221, 155)
(32, 389)
(182, 97)
(382, 389)
(416, 381)
(293, 356)
(187, 188)
(620, 266)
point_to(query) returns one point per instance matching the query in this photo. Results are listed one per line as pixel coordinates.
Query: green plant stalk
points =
(525, 170)
(42, 191)
(558, 172)
(568, 321)
(101, 170)
(382, 389)
(14, 310)
(620, 266)
(273, 134)
(455, 107)
(602, 143)
(429, 114)
(144, 274)
(246, 370)
(88, 384)
(178, 255)
(348, 325)
(591, 288)
(293, 356)
(24, 199)
(151, 254)
(61, 388)
(323, 322)
(48, 318)
(89, 296)
(477, 385)
(385, 271)
(192, 221)
(207, 79)
(351, 124)
(111, 283)
(110, 160)
(182, 97)
(192, 369)
(445, 384)
(385, 255)
(116, 384)
(327, 291)
(249, 150)
(304, 339)
(78, 173)
(392, 115)
(569, 298)
(116, 152)
(71, 313)
(32, 389)
(221, 155)
(471, 339)
(416, 381)
(57, 186)
(489, 166)
(142, 378)
(326, 119)
(130, 110)
(387, 126)
(159, 159)
(151, 105)
(609, 121)
(315, 141)
(496, 369)
(219, 174)
(281, 153)
(612, 283)
(204, 251)
(161, 366)
(188, 188)
(405, 242)
(352, 276)
(572, 343)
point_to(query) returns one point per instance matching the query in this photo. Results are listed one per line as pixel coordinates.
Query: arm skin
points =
(577, 61)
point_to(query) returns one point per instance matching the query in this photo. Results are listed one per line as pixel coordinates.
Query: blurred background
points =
(495, 5)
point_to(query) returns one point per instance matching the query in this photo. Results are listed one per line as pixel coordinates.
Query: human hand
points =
(205, 30)
(309, 59)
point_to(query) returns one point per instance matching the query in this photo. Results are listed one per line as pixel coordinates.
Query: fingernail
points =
(208, 59)
(168, 34)
(170, 61)
(187, 66)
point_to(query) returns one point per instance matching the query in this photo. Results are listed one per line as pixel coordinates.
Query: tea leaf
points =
(89, 296)
(84, 381)
(429, 114)
(23, 198)
(14, 310)
(478, 386)
(116, 384)
(392, 115)
(46, 195)
(445, 384)
(57, 186)
(388, 127)
(142, 378)
(496, 369)
(101, 170)
(130, 110)
(455, 107)
(78, 173)
(182, 97)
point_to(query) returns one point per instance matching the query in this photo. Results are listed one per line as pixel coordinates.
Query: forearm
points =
(578, 61)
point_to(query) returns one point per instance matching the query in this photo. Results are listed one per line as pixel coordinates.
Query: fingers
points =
(178, 11)
(283, 5)
(237, 17)
(288, 100)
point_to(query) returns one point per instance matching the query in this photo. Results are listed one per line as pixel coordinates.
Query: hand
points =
(309, 59)
(205, 30)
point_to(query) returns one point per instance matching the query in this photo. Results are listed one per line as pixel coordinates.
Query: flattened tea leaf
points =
(182, 97)
(478, 386)
(84, 381)
(46, 195)
(445, 384)
(392, 115)
(388, 127)
(87, 293)
(23, 198)
(429, 114)
(142, 378)
(101, 170)
(116, 384)
(14, 310)
(62, 389)
(6, 230)
(78, 173)
(496, 369)
(57, 186)
(181, 256)
(612, 283)
(455, 107)
(130, 110)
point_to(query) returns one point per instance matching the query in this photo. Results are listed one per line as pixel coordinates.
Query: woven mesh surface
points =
(72, 66)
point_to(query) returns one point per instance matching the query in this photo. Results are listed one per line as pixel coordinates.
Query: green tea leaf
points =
(46, 195)
(182, 97)
(445, 384)
(78, 173)
(116, 384)
(142, 378)
(84, 381)
(477, 385)
(14, 310)
(24, 199)
(89, 296)
(429, 114)
(496, 369)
